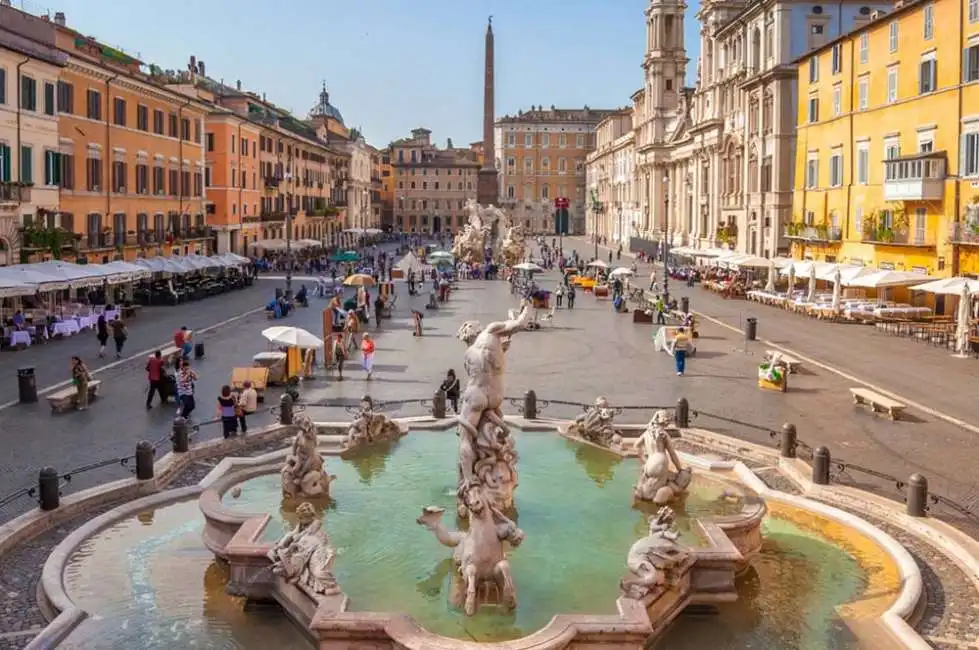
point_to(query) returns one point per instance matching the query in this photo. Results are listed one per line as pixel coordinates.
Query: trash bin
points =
(26, 385)
(685, 304)
(750, 329)
(198, 350)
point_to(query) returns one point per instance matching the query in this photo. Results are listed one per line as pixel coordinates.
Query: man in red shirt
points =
(154, 373)
(182, 340)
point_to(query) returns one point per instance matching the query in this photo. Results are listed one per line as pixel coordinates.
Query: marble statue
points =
(470, 243)
(596, 425)
(304, 556)
(486, 451)
(658, 482)
(513, 247)
(370, 426)
(479, 554)
(303, 475)
(653, 558)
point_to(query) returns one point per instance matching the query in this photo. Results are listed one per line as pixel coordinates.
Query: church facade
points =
(714, 162)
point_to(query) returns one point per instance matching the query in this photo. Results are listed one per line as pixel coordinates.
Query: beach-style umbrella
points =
(770, 285)
(528, 267)
(359, 280)
(837, 289)
(293, 337)
(598, 264)
(811, 294)
(345, 256)
(962, 321)
(440, 255)
(621, 272)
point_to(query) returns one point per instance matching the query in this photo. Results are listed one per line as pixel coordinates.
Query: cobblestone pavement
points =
(576, 357)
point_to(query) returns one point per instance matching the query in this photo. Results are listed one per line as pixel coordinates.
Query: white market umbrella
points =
(770, 285)
(598, 264)
(621, 272)
(881, 279)
(837, 289)
(949, 286)
(791, 280)
(13, 288)
(811, 294)
(962, 321)
(293, 337)
(440, 255)
(529, 267)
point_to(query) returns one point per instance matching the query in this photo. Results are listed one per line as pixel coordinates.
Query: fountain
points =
(477, 236)
(599, 558)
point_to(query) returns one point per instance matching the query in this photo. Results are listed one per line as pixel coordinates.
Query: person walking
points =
(247, 405)
(102, 334)
(80, 378)
(154, 374)
(681, 345)
(227, 411)
(559, 295)
(182, 342)
(119, 335)
(571, 295)
(367, 354)
(185, 389)
(451, 389)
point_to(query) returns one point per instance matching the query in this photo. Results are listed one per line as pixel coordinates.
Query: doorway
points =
(436, 224)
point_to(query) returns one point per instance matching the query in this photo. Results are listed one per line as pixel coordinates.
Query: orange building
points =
(131, 157)
(233, 180)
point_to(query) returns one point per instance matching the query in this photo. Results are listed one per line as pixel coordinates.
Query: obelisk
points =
(487, 184)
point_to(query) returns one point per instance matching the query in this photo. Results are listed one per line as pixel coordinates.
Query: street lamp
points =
(666, 239)
(289, 254)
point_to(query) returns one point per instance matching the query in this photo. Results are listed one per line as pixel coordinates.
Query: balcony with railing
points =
(964, 232)
(271, 216)
(14, 193)
(920, 177)
(888, 236)
(813, 233)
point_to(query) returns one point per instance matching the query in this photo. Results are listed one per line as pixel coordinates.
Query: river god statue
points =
(486, 451)
(479, 554)
(371, 426)
(658, 482)
(303, 475)
(653, 559)
(304, 556)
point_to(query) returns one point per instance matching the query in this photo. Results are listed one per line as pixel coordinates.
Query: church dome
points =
(324, 108)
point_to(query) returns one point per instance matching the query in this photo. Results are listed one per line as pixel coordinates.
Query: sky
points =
(389, 65)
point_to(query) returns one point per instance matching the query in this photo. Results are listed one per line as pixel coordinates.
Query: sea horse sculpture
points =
(596, 425)
(303, 474)
(486, 454)
(653, 558)
(657, 481)
(479, 554)
(371, 426)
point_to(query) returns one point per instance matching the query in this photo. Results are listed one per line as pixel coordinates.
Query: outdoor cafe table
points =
(20, 337)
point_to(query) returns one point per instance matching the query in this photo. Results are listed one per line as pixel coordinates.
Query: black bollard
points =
(180, 436)
(438, 405)
(144, 460)
(26, 385)
(685, 304)
(918, 496)
(820, 466)
(786, 441)
(530, 405)
(682, 415)
(750, 328)
(285, 409)
(48, 489)
(198, 350)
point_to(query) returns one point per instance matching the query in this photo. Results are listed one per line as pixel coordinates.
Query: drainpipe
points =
(852, 153)
(107, 173)
(241, 188)
(180, 162)
(20, 172)
(957, 198)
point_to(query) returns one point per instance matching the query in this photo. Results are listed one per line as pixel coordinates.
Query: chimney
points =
(59, 18)
(238, 84)
(193, 63)
(200, 68)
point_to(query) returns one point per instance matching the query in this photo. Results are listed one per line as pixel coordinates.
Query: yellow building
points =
(887, 162)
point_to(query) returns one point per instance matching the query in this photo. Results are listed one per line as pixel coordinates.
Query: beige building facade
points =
(431, 185)
(541, 156)
(359, 212)
(29, 71)
(611, 181)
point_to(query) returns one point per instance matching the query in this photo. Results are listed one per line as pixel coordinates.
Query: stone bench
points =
(878, 402)
(64, 399)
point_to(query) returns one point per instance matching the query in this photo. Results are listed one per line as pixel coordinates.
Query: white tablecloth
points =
(111, 315)
(86, 322)
(20, 337)
(65, 328)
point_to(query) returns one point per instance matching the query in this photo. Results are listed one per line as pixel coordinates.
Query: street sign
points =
(562, 203)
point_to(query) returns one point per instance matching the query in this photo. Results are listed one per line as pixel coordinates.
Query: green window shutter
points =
(5, 163)
(26, 164)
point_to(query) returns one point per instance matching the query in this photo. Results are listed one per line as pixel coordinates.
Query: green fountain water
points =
(573, 502)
